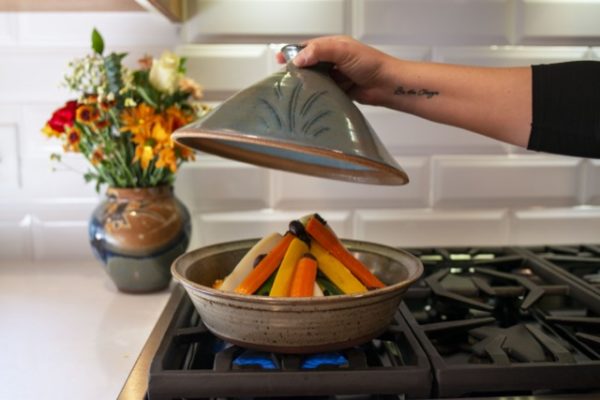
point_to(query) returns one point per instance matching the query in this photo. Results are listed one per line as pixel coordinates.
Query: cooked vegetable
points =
(317, 292)
(328, 240)
(245, 265)
(266, 287)
(285, 273)
(266, 267)
(335, 271)
(303, 282)
(328, 288)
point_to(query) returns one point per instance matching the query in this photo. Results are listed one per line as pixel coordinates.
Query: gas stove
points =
(480, 323)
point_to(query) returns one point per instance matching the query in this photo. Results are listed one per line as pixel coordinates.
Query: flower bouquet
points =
(121, 122)
(122, 119)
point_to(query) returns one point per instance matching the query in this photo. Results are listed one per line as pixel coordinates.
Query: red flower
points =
(63, 117)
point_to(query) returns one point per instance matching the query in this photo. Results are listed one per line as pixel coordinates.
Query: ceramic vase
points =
(137, 234)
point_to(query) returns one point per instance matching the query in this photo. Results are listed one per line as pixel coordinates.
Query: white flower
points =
(129, 102)
(164, 73)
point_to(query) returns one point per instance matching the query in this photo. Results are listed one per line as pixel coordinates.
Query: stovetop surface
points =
(480, 323)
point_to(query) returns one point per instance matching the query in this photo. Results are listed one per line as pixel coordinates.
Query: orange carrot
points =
(303, 282)
(266, 267)
(327, 238)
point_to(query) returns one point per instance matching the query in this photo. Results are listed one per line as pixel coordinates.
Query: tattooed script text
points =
(400, 90)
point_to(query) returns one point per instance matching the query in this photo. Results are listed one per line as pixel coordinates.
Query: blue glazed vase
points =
(137, 234)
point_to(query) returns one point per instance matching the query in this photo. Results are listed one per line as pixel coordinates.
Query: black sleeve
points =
(566, 108)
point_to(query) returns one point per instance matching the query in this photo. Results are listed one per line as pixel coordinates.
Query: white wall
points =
(465, 189)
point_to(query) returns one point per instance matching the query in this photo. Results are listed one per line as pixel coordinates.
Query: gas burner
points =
(511, 315)
(579, 262)
(193, 363)
(520, 342)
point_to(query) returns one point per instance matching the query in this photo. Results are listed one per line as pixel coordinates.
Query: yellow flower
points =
(49, 132)
(87, 114)
(144, 154)
(73, 137)
(167, 158)
(149, 143)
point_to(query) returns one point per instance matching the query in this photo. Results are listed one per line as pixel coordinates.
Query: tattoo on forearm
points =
(401, 90)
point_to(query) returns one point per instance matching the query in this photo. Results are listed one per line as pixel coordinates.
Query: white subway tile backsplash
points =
(505, 180)
(213, 184)
(592, 182)
(242, 20)
(31, 121)
(405, 134)
(8, 31)
(15, 240)
(299, 191)
(223, 227)
(432, 21)
(508, 56)
(465, 189)
(33, 74)
(552, 21)
(9, 159)
(74, 29)
(226, 68)
(555, 226)
(45, 178)
(429, 227)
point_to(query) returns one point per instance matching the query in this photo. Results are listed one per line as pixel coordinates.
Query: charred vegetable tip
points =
(320, 219)
(297, 228)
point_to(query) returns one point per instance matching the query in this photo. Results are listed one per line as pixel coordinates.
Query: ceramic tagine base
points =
(137, 234)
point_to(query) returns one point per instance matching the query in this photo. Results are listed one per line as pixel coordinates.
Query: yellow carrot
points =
(266, 267)
(327, 238)
(285, 273)
(335, 271)
(303, 283)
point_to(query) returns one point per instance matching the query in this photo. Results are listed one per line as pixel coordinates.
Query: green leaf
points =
(182, 67)
(112, 64)
(97, 42)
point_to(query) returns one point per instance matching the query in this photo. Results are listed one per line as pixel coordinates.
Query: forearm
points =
(495, 102)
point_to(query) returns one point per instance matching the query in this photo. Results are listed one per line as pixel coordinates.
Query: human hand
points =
(362, 71)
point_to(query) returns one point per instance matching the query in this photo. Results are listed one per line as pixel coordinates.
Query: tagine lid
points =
(297, 120)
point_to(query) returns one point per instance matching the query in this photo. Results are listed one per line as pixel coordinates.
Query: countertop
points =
(67, 333)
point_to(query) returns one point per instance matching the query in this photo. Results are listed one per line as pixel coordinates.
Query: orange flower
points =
(103, 123)
(167, 158)
(190, 86)
(87, 114)
(149, 143)
(136, 119)
(145, 62)
(175, 118)
(184, 152)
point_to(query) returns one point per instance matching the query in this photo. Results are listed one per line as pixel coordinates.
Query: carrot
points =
(327, 238)
(285, 273)
(266, 267)
(303, 283)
